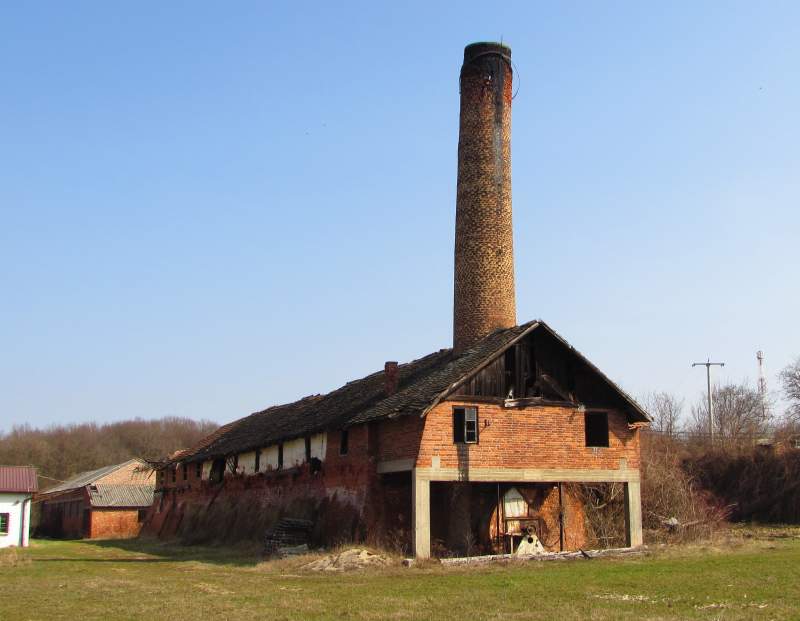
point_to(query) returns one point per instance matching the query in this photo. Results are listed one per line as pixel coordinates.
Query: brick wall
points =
(484, 251)
(114, 523)
(399, 438)
(531, 437)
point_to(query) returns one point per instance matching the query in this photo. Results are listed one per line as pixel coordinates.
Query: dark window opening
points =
(5, 518)
(344, 442)
(465, 425)
(175, 473)
(141, 515)
(217, 471)
(185, 472)
(198, 470)
(596, 429)
(280, 456)
(257, 466)
(308, 448)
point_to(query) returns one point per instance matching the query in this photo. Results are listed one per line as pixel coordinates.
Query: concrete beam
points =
(633, 514)
(421, 504)
(530, 475)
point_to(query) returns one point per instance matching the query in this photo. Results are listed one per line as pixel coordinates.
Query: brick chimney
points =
(484, 251)
(391, 377)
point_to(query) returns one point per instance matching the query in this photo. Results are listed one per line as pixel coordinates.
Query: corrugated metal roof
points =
(89, 477)
(103, 495)
(18, 479)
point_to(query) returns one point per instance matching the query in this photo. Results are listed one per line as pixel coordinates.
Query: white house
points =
(17, 486)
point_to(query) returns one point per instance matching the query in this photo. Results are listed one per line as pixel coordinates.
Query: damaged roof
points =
(422, 384)
(87, 478)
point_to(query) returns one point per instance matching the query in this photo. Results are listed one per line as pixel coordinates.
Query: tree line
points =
(740, 412)
(62, 451)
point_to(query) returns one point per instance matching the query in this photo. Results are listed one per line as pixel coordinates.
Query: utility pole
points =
(762, 385)
(708, 364)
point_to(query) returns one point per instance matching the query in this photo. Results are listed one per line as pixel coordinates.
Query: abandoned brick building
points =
(108, 503)
(465, 448)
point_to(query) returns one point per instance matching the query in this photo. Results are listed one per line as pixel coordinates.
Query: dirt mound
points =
(349, 560)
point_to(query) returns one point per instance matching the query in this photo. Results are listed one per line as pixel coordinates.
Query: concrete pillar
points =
(633, 513)
(421, 501)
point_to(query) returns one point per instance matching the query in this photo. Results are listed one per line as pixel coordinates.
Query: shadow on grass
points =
(169, 552)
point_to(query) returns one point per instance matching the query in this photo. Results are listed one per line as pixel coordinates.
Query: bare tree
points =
(665, 411)
(790, 379)
(738, 414)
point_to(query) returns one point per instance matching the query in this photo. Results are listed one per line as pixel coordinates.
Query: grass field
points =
(752, 574)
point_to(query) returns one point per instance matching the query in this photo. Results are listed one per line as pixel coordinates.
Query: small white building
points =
(17, 486)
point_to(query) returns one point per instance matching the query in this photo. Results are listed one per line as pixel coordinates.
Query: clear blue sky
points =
(207, 208)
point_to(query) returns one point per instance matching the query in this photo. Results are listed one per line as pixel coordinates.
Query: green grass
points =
(744, 577)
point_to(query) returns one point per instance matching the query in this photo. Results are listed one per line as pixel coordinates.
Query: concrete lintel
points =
(395, 465)
(533, 475)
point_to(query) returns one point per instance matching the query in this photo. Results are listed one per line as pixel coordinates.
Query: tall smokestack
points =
(484, 252)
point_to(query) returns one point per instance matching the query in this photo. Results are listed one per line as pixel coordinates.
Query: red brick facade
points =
(348, 499)
(530, 437)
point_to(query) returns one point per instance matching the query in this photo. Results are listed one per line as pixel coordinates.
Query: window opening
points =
(596, 429)
(465, 425)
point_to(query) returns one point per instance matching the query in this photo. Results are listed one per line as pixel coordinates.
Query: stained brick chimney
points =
(484, 297)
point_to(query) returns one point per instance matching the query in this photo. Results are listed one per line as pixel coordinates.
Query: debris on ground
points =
(349, 560)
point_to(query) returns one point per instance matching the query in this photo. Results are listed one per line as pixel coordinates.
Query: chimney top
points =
(474, 50)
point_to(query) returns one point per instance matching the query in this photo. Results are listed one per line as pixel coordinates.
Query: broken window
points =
(344, 442)
(465, 425)
(217, 471)
(596, 429)
(5, 518)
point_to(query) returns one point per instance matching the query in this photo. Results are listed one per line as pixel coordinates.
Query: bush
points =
(760, 484)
